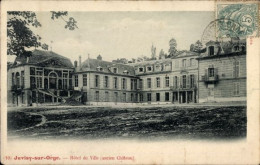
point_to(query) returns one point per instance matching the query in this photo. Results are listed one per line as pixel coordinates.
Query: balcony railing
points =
(207, 78)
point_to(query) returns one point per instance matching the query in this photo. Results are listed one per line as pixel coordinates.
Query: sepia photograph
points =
(132, 75)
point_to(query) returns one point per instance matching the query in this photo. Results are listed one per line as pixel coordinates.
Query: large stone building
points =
(222, 72)
(218, 74)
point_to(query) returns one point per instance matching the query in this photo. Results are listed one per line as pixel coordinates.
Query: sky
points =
(122, 34)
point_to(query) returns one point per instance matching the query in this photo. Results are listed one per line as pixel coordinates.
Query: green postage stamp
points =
(237, 20)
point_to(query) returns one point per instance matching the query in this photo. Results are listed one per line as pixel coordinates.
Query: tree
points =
(173, 47)
(161, 54)
(196, 47)
(20, 36)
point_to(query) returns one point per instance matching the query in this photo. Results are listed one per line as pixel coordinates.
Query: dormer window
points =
(236, 48)
(158, 67)
(149, 68)
(114, 70)
(99, 68)
(126, 72)
(211, 50)
(141, 69)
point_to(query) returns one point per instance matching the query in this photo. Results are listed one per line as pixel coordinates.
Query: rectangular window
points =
(141, 83)
(12, 78)
(236, 89)
(167, 96)
(141, 69)
(22, 95)
(157, 96)
(149, 68)
(236, 69)
(116, 96)
(65, 80)
(39, 82)
(211, 50)
(132, 97)
(114, 70)
(115, 82)
(184, 81)
(176, 82)
(32, 71)
(124, 97)
(106, 82)
(167, 81)
(123, 83)
(192, 81)
(149, 97)
(184, 63)
(96, 80)
(158, 82)
(132, 84)
(76, 80)
(149, 82)
(141, 97)
(97, 96)
(85, 79)
(211, 72)
(106, 96)
(22, 78)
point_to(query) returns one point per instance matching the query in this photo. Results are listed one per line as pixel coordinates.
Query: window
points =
(123, 83)
(96, 80)
(184, 81)
(126, 72)
(97, 96)
(167, 81)
(132, 84)
(158, 82)
(141, 83)
(149, 83)
(39, 82)
(32, 71)
(158, 68)
(157, 96)
(141, 69)
(65, 80)
(184, 63)
(115, 82)
(176, 64)
(22, 95)
(85, 79)
(106, 96)
(236, 48)
(12, 78)
(211, 72)
(192, 62)
(22, 78)
(114, 70)
(236, 88)
(149, 68)
(141, 97)
(211, 50)
(99, 68)
(149, 97)
(167, 67)
(236, 67)
(132, 97)
(176, 81)
(167, 96)
(124, 97)
(17, 77)
(76, 80)
(106, 82)
(192, 81)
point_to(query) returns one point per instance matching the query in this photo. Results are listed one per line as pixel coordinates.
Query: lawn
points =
(142, 123)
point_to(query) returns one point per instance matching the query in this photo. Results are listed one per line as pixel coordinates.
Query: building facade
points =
(222, 72)
(216, 75)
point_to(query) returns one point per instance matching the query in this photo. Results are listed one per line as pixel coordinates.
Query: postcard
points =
(130, 82)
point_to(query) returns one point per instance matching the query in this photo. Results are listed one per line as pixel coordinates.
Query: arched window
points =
(53, 80)
(17, 77)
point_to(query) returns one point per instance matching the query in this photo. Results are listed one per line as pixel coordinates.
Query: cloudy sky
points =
(122, 34)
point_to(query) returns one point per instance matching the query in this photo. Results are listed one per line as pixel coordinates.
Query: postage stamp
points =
(237, 20)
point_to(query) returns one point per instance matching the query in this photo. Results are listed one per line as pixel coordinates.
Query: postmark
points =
(237, 20)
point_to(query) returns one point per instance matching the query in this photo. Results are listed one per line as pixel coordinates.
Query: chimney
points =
(80, 61)
(99, 57)
(75, 64)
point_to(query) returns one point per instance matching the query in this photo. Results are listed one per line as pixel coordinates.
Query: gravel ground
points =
(142, 123)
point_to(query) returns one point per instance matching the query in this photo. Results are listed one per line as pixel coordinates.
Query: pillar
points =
(181, 97)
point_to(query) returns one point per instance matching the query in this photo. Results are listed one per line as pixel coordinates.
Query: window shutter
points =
(173, 84)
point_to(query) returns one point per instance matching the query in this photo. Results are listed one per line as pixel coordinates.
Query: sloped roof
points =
(93, 64)
(39, 57)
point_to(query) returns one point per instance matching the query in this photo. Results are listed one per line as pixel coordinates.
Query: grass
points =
(153, 122)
